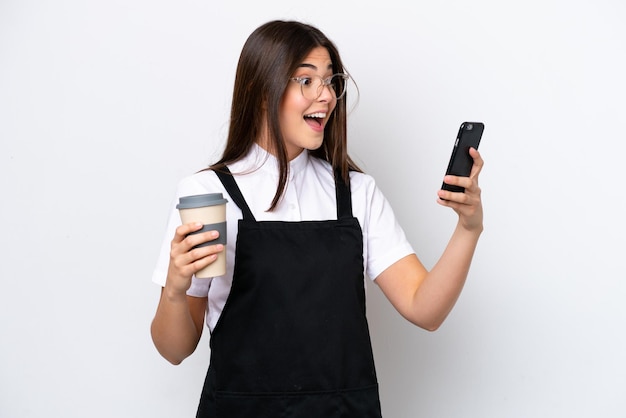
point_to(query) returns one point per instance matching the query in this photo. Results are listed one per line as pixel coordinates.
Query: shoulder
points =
(362, 181)
(359, 182)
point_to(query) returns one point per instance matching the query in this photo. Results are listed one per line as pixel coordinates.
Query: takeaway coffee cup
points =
(209, 210)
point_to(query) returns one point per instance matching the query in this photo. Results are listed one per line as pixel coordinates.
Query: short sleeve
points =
(384, 239)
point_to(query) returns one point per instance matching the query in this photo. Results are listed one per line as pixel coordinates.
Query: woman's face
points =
(302, 120)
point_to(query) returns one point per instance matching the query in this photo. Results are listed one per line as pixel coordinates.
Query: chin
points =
(314, 147)
(315, 143)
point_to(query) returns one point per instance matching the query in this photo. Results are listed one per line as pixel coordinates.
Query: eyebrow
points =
(330, 66)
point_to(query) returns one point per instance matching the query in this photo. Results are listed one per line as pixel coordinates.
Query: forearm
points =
(174, 332)
(437, 294)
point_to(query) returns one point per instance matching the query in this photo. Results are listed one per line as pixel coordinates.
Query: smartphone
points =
(460, 161)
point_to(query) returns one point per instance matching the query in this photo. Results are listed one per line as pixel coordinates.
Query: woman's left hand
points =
(467, 205)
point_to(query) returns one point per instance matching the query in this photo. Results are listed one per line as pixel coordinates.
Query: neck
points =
(292, 152)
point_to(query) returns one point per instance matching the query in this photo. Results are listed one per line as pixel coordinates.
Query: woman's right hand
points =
(185, 260)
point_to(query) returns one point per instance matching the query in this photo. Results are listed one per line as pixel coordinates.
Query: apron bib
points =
(293, 340)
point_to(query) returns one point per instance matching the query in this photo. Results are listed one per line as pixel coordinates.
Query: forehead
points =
(318, 59)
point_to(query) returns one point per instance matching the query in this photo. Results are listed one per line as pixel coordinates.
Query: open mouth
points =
(315, 119)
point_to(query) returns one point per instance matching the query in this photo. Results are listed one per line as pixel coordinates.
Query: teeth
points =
(316, 115)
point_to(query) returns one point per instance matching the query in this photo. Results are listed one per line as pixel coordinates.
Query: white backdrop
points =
(105, 105)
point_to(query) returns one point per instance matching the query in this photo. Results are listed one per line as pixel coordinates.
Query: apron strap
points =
(344, 198)
(342, 192)
(233, 190)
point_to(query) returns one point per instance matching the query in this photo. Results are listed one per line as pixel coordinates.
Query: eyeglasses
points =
(313, 86)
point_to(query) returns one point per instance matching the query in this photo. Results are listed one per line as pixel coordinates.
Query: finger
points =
(183, 230)
(191, 261)
(466, 208)
(478, 162)
(208, 253)
(451, 180)
(468, 183)
(198, 258)
(195, 239)
(183, 243)
(471, 193)
(447, 198)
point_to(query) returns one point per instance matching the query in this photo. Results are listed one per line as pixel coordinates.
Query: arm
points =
(179, 319)
(426, 297)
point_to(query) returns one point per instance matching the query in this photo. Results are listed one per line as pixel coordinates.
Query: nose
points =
(327, 93)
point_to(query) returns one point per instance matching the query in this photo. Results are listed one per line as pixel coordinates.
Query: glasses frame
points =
(326, 82)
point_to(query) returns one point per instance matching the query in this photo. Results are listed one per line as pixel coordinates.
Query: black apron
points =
(292, 340)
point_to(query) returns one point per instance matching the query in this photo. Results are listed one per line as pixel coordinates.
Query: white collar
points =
(259, 159)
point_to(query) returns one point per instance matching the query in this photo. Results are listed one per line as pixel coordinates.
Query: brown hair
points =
(268, 59)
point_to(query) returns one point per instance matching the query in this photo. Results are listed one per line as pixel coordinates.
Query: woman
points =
(289, 335)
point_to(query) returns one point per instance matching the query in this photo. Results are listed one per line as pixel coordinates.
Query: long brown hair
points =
(268, 59)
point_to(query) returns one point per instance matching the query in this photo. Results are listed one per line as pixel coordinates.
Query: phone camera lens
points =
(469, 126)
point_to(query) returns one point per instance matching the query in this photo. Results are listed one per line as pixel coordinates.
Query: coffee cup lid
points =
(200, 200)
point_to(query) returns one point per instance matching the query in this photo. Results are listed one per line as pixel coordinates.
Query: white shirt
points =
(309, 196)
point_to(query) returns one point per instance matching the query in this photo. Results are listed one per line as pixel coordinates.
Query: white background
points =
(105, 105)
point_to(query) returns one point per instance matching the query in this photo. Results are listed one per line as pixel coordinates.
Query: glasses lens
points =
(313, 88)
(338, 83)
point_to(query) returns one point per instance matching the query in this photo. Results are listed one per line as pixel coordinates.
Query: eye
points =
(304, 81)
